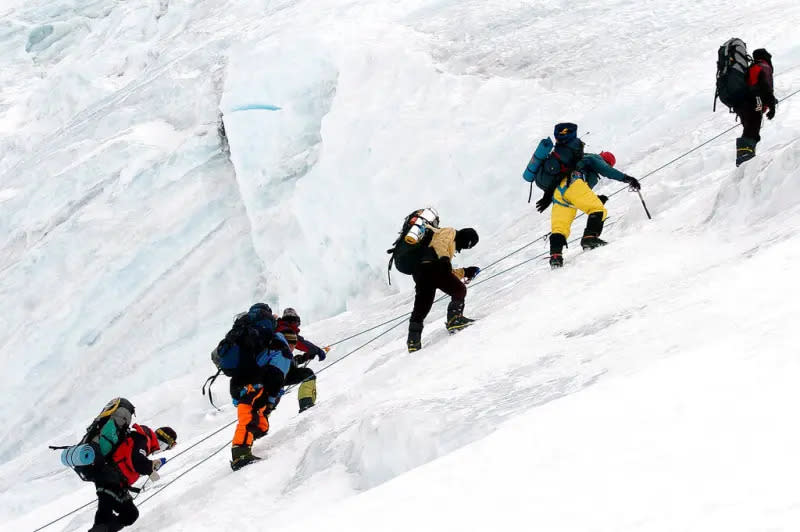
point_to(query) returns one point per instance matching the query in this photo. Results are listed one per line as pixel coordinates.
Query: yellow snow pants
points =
(566, 202)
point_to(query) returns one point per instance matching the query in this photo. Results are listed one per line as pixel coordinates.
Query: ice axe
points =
(646, 211)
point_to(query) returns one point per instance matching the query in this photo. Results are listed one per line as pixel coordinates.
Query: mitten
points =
(471, 272)
(545, 202)
(633, 183)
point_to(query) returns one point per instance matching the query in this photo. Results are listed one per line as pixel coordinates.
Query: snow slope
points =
(647, 386)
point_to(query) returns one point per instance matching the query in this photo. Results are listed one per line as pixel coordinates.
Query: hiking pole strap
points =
(211, 400)
(530, 194)
(210, 382)
(646, 211)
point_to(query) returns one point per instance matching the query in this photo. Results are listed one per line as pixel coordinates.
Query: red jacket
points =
(302, 344)
(131, 454)
(759, 79)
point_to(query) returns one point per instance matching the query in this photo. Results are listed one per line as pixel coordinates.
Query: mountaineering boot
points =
(414, 341)
(745, 150)
(456, 323)
(557, 243)
(455, 319)
(591, 235)
(258, 434)
(241, 456)
(307, 393)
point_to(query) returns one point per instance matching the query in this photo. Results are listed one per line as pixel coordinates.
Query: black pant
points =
(115, 510)
(273, 380)
(751, 121)
(428, 277)
(297, 375)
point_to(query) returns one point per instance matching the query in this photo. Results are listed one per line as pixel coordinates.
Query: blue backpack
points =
(551, 163)
(229, 357)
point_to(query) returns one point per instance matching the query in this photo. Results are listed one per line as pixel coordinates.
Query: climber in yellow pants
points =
(575, 192)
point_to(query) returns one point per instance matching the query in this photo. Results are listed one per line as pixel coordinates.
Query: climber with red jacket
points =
(759, 101)
(115, 507)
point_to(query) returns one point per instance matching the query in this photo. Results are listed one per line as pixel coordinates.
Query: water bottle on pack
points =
(419, 224)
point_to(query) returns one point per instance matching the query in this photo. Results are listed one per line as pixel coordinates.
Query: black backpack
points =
(732, 66)
(234, 355)
(406, 255)
(559, 164)
(227, 356)
(91, 458)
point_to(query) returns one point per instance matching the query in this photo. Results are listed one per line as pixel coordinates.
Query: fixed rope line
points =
(365, 331)
(187, 449)
(78, 509)
(195, 466)
(483, 280)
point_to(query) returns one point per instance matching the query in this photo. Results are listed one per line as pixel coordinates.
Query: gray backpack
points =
(732, 66)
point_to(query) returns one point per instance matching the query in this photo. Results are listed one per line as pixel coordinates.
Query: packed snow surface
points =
(649, 385)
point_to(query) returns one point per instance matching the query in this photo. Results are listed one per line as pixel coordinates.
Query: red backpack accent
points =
(122, 456)
(755, 72)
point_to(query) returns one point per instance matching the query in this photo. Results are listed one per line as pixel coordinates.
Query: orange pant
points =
(252, 422)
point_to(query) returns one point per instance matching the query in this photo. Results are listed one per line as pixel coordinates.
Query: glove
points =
(771, 113)
(321, 354)
(471, 272)
(301, 359)
(272, 402)
(603, 198)
(156, 466)
(545, 202)
(633, 182)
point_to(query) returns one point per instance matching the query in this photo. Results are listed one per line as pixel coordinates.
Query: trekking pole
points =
(647, 212)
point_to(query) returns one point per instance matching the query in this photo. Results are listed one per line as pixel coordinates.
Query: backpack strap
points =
(390, 251)
(210, 382)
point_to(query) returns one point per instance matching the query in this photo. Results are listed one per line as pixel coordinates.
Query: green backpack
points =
(91, 457)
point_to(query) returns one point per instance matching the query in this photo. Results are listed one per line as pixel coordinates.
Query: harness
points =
(568, 181)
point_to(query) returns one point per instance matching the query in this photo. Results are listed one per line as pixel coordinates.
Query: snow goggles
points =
(164, 440)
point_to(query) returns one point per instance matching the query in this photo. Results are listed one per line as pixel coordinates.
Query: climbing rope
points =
(400, 317)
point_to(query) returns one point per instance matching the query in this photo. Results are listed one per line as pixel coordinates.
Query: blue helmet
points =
(261, 316)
